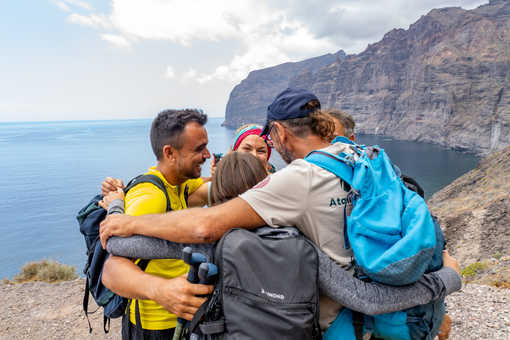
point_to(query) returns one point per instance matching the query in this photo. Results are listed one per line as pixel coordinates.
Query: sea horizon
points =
(87, 120)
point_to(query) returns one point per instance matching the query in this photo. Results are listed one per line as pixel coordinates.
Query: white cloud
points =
(66, 5)
(190, 74)
(169, 73)
(117, 40)
(62, 5)
(176, 20)
(266, 33)
(92, 20)
(79, 3)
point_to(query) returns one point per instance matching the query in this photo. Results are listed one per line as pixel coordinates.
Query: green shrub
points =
(47, 271)
(473, 269)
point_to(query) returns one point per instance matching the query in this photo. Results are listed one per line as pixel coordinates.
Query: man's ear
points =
(281, 131)
(169, 153)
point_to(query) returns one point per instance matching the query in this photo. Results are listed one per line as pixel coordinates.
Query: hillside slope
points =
(474, 212)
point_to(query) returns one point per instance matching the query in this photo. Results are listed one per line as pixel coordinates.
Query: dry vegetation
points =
(46, 270)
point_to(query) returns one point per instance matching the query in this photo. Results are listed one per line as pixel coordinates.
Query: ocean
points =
(51, 169)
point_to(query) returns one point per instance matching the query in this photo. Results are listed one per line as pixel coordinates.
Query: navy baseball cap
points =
(289, 104)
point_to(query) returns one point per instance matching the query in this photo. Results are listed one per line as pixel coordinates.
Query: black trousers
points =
(136, 332)
(133, 332)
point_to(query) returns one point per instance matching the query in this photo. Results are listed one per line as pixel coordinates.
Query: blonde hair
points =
(317, 123)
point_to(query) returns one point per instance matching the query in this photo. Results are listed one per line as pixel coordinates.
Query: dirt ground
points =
(40, 310)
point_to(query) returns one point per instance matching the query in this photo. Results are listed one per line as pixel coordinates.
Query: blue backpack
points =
(89, 218)
(394, 239)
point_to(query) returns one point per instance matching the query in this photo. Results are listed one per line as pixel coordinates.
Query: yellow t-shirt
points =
(143, 199)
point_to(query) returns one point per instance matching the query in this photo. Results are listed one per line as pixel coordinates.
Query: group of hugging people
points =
(244, 191)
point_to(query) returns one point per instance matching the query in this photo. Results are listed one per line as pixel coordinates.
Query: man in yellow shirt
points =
(179, 141)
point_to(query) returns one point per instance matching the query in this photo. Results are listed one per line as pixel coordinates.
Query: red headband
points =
(252, 130)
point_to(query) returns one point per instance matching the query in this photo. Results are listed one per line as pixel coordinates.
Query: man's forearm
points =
(197, 225)
(375, 298)
(145, 247)
(125, 278)
(177, 295)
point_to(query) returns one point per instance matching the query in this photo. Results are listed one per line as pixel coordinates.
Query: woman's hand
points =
(115, 225)
(111, 184)
(112, 195)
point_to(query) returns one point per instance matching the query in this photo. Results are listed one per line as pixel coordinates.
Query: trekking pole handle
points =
(207, 272)
(193, 260)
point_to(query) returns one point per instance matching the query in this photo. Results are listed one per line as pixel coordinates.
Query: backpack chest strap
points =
(337, 164)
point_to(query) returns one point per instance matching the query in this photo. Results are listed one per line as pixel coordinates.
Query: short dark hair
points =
(168, 127)
(345, 119)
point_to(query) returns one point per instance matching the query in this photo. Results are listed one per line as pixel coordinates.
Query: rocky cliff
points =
(474, 212)
(249, 100)
(444, 80)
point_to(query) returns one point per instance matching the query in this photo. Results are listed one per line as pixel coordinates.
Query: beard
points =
(190, 172)
(285, 153)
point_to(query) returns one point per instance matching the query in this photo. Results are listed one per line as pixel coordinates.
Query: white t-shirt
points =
(312, 199)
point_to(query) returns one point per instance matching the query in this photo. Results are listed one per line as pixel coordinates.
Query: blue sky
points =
(91, 59)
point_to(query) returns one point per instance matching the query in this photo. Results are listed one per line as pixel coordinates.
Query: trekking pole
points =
(207, 274)
(193, 260)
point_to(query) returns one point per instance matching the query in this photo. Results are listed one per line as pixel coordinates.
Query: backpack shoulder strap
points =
(153, 179)
(336, 164)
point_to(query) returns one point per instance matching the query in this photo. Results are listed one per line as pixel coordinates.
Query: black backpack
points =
(267, 288)
(89, 218)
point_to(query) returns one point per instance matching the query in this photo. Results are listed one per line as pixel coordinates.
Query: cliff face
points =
(444, 80)
(249, 100)
(474, 212)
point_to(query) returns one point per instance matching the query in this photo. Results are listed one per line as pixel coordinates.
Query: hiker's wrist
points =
(131, 225)
(450, 278)
(116, 207)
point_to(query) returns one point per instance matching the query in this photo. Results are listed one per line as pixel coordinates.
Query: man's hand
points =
(178, 296)
(449, 261)
(111, 184)
(111, 196)
(115, 225)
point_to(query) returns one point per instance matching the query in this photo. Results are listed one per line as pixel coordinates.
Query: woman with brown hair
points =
(236, 173)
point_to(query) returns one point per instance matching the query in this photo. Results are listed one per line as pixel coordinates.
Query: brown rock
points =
(444, 80)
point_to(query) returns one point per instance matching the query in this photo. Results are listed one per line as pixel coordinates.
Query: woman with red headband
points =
(248, 140)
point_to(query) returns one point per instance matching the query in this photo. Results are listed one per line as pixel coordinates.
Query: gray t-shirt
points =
(313, 200)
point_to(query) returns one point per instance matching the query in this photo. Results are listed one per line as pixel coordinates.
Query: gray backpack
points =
(267, 288)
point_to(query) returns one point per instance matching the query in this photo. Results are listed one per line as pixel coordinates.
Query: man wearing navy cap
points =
(302, 194)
